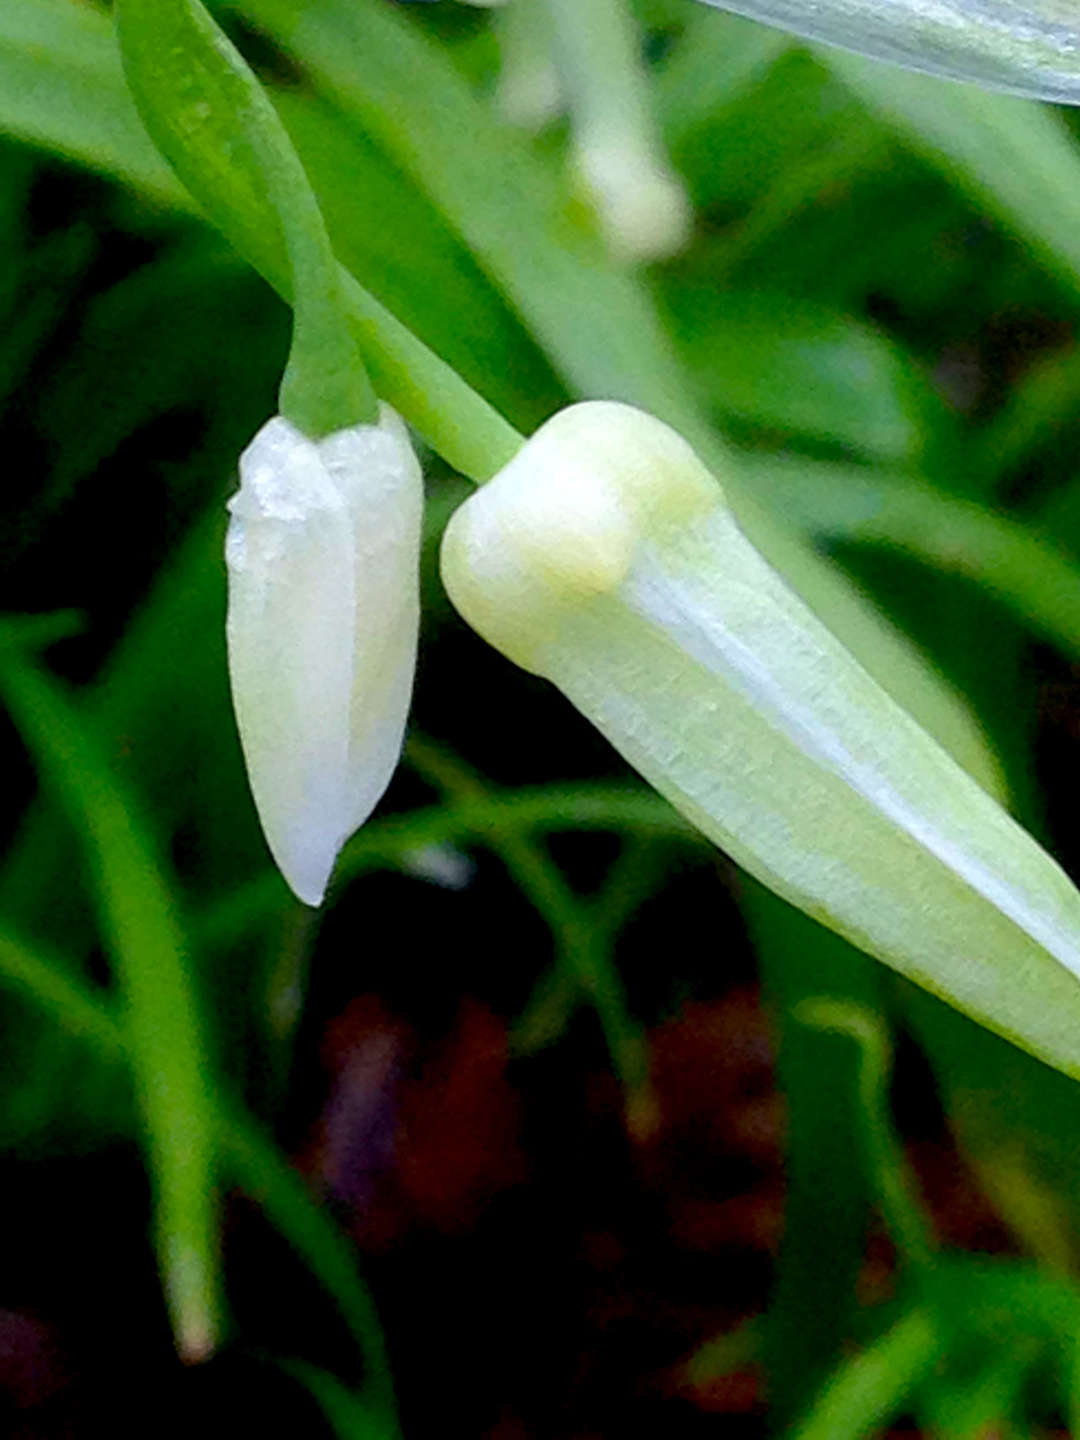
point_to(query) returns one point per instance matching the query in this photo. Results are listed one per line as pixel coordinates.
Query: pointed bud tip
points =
(323, 559)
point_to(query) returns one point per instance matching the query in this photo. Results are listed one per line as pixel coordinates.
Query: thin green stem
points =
(66, 1000)
(583, 946)
(198, 107)
(895, 1187)
(386, 843)
(197, 94)
(455, 420)
(867, 1392)
(641, 203)
(600, 54)
(258, 1169)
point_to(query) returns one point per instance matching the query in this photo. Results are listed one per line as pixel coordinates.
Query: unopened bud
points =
(605, 557)
(322, 550)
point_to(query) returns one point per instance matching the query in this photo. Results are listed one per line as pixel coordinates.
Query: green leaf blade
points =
(168, 1049)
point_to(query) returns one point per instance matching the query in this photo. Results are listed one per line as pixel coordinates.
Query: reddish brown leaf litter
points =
(429, 1137)
(410, 1139)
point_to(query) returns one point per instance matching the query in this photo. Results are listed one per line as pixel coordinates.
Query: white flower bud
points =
(605, 558)
(322, 551)
(1030, 47)
(642, 205)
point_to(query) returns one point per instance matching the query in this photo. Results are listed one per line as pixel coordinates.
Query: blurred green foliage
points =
(877, 313)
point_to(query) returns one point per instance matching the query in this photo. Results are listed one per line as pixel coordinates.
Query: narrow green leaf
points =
(1007, 1328)
(871, 1390)
(1014, 157)
(62, 88)
(346, 1413)
(971, 1407)
(787, 113)
(67, 1001)
(783, 364)
(1037, 582)
(712, 64)
(260, 1171)
(168, 1048)
(828, 1188)
(251, 1160)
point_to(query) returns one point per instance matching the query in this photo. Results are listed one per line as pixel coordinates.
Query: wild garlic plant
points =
(619, 548)
(605, 555)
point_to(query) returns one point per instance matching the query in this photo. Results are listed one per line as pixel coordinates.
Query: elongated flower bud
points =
(642, 205)
(605, 558)
(322, 551)
(1030, 47)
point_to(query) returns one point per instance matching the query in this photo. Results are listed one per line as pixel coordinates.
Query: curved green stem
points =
(220, 132)
(902, 1212)
(202, 105)
(583, 941)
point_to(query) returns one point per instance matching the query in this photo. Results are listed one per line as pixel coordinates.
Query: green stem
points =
(455, 420)
(216, 126)
(828, 1188)
(387, 843)
(598, 48)
(895, 1187)
(197, 95)
(583, 947)
(168, 1048)
(870, 1390)
(641, 204)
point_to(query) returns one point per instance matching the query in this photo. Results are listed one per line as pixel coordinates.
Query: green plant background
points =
(878, 311)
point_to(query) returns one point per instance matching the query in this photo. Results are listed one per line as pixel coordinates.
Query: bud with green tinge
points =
(605, 558)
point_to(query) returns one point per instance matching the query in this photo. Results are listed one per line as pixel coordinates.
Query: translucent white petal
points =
(322, 553)
(605, 558)
(1029, 47)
